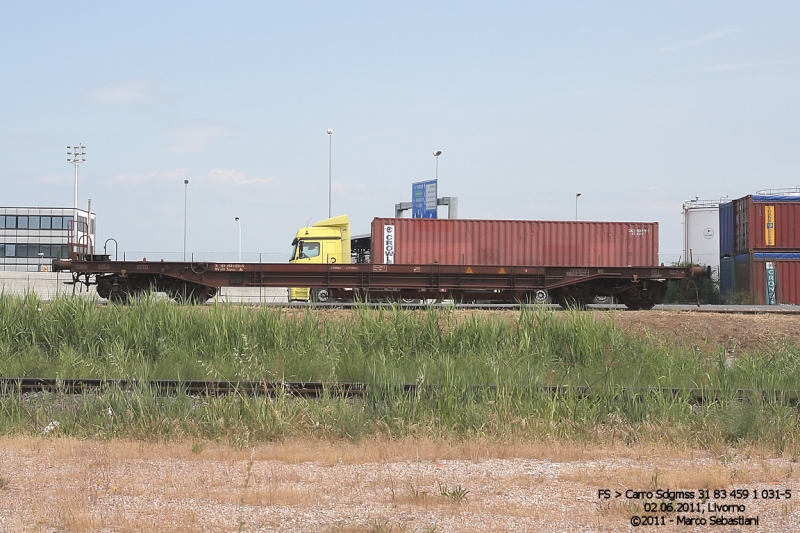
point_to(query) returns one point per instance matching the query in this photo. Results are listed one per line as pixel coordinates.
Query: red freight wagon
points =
(514, 242)
(766, 224)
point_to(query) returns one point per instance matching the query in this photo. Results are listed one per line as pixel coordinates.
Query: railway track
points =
(715, 309)
(317, 389)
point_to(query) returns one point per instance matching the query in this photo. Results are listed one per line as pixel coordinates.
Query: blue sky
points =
(637, 105)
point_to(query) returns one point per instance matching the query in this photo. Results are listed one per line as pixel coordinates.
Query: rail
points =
(318, 389)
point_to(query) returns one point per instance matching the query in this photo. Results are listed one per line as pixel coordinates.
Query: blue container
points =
(727, 276)
(726, 229)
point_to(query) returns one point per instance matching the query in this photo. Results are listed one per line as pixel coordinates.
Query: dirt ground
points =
(737, 332)
(60, 484)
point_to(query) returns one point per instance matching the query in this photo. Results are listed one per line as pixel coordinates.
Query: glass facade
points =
(40, 222)
(30, 237)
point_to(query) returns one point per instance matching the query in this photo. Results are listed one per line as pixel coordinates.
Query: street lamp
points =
(240, 238)
(40, 254)
(577, 195)
(185, 196)
(436, 154)
(330, 160)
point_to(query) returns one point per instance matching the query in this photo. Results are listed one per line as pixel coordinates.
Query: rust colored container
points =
(773, 278)
(766, 224)
(514, 242)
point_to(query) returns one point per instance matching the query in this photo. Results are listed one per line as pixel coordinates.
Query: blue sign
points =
(423, 199)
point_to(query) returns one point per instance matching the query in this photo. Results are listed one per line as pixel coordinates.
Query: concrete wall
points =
(48, 285)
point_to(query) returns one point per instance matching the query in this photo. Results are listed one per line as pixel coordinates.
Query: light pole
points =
(577, 195)
(436, 154)
(185, 204)
(240, 238)
(330, 160)
(40, 254)
(76, 155)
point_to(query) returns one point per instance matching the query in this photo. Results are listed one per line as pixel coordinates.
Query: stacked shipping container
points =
(760, 248)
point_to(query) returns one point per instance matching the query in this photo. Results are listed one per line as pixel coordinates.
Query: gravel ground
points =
(69, 485)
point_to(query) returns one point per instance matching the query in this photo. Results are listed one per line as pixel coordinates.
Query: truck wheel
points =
(320, 295)
(541, 297)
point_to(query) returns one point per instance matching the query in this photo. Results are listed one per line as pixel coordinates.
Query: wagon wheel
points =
(639, 305)
(191, 293)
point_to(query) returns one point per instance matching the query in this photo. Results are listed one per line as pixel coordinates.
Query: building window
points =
(56, 224)
(11, 250)
(11, 222)
(45, 249)
(33, 222)
(22, 222)
(45, 222)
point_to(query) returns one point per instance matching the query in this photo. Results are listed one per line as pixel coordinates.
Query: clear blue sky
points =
(637, 105)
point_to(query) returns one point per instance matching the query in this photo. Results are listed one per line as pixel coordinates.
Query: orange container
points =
(514, 242)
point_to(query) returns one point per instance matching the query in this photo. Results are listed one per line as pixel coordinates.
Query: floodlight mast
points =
(76, 155)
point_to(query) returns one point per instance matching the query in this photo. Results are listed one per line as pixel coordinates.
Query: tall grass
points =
(451, 356)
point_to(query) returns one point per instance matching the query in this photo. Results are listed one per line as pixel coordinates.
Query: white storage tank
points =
(701, 233)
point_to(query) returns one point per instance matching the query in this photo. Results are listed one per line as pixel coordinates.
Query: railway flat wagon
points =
(637, 287)
(419, 241)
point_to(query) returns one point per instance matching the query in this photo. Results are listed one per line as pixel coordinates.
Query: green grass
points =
(451, 355)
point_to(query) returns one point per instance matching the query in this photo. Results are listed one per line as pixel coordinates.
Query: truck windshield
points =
(306, 250)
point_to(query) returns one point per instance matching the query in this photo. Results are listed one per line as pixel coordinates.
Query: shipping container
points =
(766, 224)
(514, 242)
(767, 278)
(726, 248)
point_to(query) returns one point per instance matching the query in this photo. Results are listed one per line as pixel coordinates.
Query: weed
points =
(457, 494)
(417, 496)
(248, 476)
(475, 375)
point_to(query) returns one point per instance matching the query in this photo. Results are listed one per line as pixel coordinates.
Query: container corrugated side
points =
(727, 281)
(515, 242)
(726, 229)
(787, 278)
(750, 276)
(767, 224)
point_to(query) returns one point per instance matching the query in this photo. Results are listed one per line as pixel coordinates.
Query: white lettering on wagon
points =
(228, 267)
(578, 273)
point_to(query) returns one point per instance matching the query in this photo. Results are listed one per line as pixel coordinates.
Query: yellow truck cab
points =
(327, 241)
